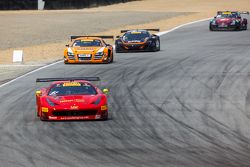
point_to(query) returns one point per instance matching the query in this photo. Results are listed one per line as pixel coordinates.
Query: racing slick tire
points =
(245, 27)
(109, 60)
(238, 28)
(157, 45)
(112, 59)
(211, 28)
(118, 50)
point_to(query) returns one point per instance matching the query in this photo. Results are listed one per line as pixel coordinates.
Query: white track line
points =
(180, 26)
(13, 80)
(160, 34)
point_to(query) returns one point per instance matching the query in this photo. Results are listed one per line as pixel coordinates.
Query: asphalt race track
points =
(185, 106)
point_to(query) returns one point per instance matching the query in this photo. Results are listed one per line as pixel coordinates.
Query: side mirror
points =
(38, 93)
(67, 45)
(105, 91)
(118, 36)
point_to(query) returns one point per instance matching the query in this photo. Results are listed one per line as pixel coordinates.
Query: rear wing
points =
(123, 31)
(244, 12)
(98, 36)
(67, 79)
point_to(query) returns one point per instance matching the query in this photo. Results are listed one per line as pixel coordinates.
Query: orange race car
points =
(88, 49)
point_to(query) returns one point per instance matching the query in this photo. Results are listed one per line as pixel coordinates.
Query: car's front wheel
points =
(157, 45)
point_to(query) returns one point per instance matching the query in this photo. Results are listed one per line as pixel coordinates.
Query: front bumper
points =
(92, 60)
(81, 114)
(224, 27)
(134, 47)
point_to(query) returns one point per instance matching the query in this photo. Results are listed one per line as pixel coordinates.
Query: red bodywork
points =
(228, 20)
(71, 107)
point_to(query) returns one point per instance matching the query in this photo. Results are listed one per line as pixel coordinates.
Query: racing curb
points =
(57, 62)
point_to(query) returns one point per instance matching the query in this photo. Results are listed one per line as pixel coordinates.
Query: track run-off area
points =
(185, 106)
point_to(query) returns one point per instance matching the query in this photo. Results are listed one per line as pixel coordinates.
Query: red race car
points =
(227, 20)
(71, 99)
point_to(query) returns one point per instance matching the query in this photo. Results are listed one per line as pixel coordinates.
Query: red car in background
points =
(71, 99)
(228, 20)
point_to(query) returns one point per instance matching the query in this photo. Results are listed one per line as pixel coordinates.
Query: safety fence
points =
(54, 4)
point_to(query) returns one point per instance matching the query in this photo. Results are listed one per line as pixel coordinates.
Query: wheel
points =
(211, 28)
(238, 28)
(112, 58)
(157, 45)
(245, 27)
(118, 51)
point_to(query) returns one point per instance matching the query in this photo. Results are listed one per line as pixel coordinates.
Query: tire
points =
(210, 28)
(238, 28)
(112, 58)
(157, 45)
(245, 27)
(118, 51)
(42, 119)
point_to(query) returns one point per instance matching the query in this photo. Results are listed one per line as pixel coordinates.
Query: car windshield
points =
(232, 15)
(85, 43)
(131, 36)
(72, 88)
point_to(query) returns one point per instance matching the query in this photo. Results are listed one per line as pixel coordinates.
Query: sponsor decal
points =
(87, 48)
(52, 117)
(226, 12)
(80, 100)
(97, 116)
(74, 107)
(84, 55)
(67, 84)
(66, 101)
(136, 32)
(87, 40)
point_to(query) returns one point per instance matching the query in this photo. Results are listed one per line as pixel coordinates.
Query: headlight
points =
(149, 41)
(233, 22)
(70, 54)
(97, 101)
(50, 102)
(99, 53)
(213, 22)
(119, 42)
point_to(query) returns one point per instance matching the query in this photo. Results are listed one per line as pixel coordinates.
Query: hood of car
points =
(81, 50)
(224, 20)
(134, 41)
(77, 100)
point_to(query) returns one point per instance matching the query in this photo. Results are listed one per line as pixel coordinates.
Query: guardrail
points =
(54, 4)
